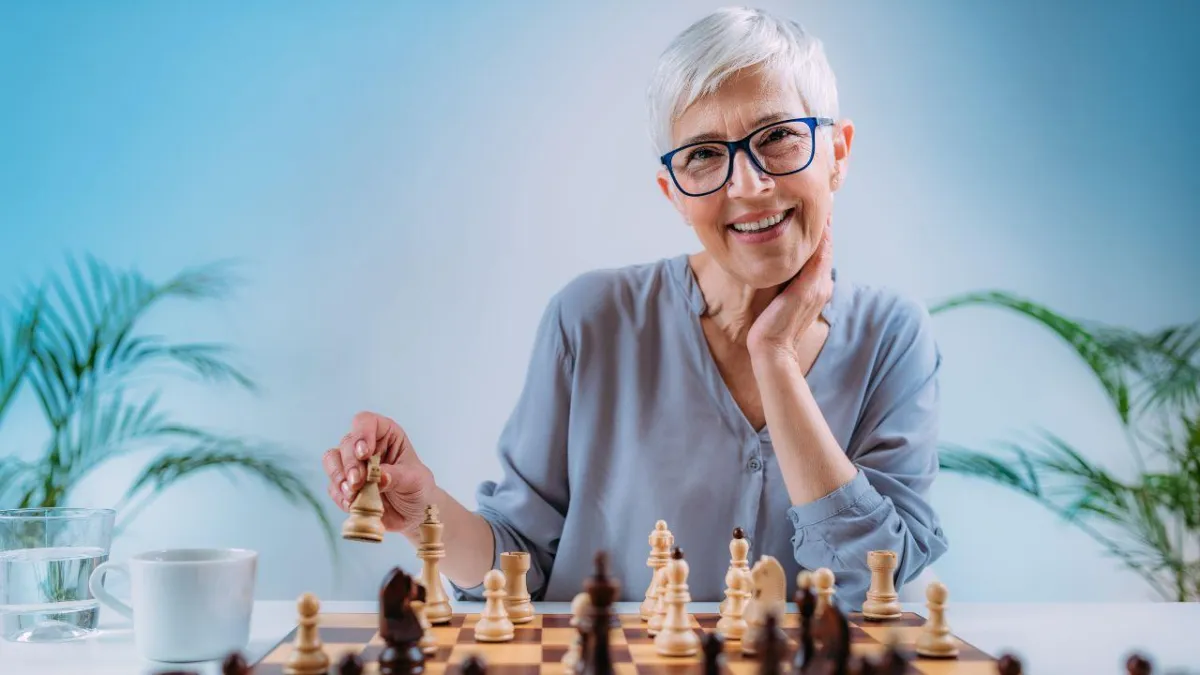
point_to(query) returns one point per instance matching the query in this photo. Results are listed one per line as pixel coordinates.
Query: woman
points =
(741, 386)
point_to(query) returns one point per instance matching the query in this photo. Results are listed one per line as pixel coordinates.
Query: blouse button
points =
(755, 464)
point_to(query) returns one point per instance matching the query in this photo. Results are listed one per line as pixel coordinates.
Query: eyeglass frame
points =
(744, 144)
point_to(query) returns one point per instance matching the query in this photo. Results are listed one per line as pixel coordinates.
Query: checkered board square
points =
(538, 646)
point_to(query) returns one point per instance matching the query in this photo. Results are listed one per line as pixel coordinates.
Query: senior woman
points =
(741, 386)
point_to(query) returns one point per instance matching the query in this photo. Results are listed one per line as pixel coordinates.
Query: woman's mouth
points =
(762, 230)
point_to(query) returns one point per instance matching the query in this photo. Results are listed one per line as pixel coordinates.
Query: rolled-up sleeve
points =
(527, 507)
(894, 447)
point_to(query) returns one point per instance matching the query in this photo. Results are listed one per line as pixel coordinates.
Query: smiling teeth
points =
(759, 225)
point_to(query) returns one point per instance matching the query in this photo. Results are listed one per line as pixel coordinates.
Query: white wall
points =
(1043, 151)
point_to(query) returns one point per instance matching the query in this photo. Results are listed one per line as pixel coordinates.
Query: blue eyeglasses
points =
(778, 149)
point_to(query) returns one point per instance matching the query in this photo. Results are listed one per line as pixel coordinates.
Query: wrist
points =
(769, 358)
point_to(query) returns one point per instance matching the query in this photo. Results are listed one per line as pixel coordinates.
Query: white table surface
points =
(1054, 639)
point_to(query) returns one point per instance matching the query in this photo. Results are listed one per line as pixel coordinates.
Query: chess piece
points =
(935, 639)
(661, 541)
(732, 624)
(365, 522)
(676, 638)
(494, 624)
(771, 646)
(235, 664)
(515, 565)
(399, 626)
(660, 606)
(768, 595)
(824, 580)
(713, 646)
(602, 589)
(1137, 664)
(1008, 664)
(832, 633)
(892, 661)
(350, 664)
(882, 602)
(579, 606)
(430, 551)
(308, 655)
(473, 664)
(739, 549)
(428, 643)
(806, 605)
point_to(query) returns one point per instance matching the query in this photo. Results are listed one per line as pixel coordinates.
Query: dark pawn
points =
(714, 653)
(350, 664)
(1138, 665)
(473, 664)
(834, 632)
(771, 647)
(1008, 665)
(892, 662)
(235, 664)
(806, 602)
(602, 589)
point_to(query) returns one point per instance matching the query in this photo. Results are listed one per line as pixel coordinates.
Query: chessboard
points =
(539, 645)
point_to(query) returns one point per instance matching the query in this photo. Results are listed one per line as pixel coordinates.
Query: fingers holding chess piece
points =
(365, 522)
(494, 624)
(936, 639)
(515, 565)
(882, 602)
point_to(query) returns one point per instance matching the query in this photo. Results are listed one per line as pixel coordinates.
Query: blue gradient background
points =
(406, 184)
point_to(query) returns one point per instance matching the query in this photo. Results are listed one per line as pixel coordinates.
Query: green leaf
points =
(226, 454)
(1104, 364)
(87, 332)
(16, 349)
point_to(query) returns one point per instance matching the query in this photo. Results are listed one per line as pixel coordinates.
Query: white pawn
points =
(823, 580)
(579, 606)
(935, 639)
(732, 625)
(308, 655)
(494, 624)
(676, 638)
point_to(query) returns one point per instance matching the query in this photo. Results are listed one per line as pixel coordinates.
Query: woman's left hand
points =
(778, 330)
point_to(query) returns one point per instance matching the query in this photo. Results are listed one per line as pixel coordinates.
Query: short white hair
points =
(730, 39)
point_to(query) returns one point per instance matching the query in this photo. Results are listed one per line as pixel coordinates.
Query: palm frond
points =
(1103, 364)
(14, 473)
(87, 331)
(1164, 360)
(16, 349)
(962, 460)
(226, 455)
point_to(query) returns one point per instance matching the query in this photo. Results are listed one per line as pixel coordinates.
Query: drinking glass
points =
(46, 558)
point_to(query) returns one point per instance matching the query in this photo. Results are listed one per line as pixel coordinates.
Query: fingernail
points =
(345, 488)
(353, 475)
(361, 449)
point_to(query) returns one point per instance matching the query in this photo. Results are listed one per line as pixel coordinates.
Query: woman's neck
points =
(732, 306)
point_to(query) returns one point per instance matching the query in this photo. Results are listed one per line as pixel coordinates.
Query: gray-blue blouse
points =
(624, 420)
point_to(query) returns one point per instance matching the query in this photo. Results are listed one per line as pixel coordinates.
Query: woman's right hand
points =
(405, 483)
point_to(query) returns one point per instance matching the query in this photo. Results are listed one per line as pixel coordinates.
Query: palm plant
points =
(74, 342)
(1150, 519)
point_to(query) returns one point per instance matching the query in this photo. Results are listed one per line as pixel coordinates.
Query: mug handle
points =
(96, 584)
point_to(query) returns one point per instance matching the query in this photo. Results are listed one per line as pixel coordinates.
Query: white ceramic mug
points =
(187, 604)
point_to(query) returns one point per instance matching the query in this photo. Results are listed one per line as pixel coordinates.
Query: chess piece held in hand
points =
(936, 639)
(883, 602)
(365, 522)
